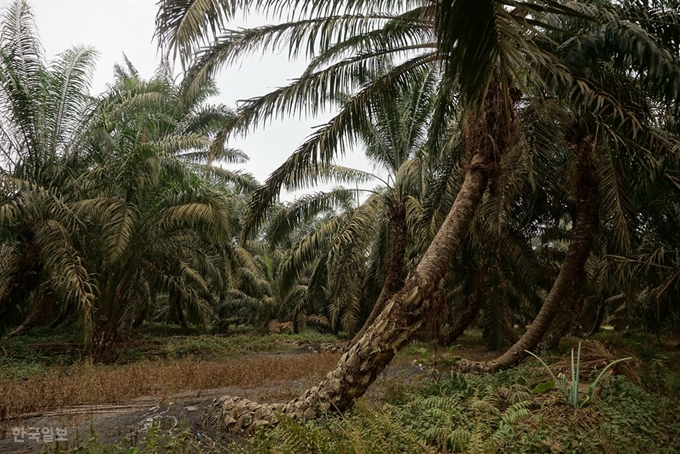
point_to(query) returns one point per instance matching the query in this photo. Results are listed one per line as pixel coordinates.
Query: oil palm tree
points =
(102, 198)
(45, 109)
(482, 45)
(159, 195)
(607, 144)
(394, 142)
(356, 29)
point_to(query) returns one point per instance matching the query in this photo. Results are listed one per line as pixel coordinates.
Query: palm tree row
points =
(113, 209)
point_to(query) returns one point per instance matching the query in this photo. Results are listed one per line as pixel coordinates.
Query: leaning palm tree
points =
(605, 143)
(482, 45)
(357, 29)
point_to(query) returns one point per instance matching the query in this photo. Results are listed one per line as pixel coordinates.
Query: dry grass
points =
(87, 384)
(595, 356)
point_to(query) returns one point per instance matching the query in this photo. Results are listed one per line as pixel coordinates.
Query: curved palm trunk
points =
(599, 318)
(395, 265)
(568, 321)
(486, 134)
(435, 314)
(570, 277)
(400, 318)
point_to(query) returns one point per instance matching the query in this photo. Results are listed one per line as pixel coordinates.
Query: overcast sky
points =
(115, 27)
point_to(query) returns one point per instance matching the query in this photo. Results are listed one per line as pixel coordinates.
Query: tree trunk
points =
(486, 135)
(104, 339)
(42, 310)
(395, 265)
(466, 317)
(570, 277)
(400, 318)
(566, 322)
(601, 312)
(435, 313)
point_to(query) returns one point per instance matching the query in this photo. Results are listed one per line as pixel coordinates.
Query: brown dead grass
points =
(595, 356)
(88, 384)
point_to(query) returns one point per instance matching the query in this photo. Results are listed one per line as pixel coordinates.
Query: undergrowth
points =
(471, 414)
(451, 413)
(45, 370)
(455, 414)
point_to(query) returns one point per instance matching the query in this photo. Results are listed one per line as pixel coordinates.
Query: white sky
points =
(115, 27)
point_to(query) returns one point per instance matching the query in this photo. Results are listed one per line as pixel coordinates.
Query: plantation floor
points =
(110, 410)
(131, 419)
(167, 378)
(162, 390)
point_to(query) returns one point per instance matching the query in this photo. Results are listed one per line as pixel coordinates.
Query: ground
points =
(163, 387)
(164, 377)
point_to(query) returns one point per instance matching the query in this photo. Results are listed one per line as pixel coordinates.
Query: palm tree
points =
(165, 229)
(604, 143)
(368, 37)
(394, 142)
(481, 45)
(102, 199)
(46, 108)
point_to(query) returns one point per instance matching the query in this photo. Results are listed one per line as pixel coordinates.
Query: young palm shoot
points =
(570, 387)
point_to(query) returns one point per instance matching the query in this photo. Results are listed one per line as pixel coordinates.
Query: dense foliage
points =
(118, 209)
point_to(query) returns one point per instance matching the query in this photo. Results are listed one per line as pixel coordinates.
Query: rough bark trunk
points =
(395, 265)
(435, 313)
(486, 135)
(103, 346)
(401, 317)
(565, 321)
(571, 273)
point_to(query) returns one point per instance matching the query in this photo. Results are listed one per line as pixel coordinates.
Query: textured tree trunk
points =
(570, 277)
(103, 346)
(400, 318)
(395, 265)
(487, 134)
(466, 317)
(567, 321)
(436, 311)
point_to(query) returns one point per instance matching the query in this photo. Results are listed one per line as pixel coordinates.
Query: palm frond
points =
(181, 25)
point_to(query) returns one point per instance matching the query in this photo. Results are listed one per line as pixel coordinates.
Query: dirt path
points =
(112, 414)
